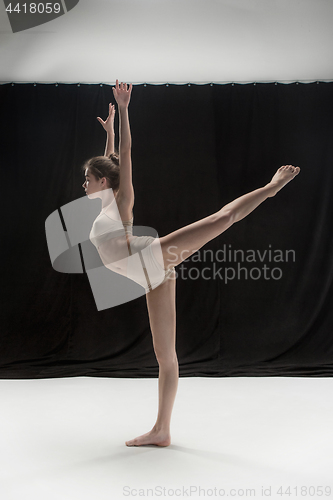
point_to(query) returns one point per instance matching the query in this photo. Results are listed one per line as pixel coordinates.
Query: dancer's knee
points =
(166, 359)
(225, 216)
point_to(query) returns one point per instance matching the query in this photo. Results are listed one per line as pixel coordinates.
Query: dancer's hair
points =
(104, 166)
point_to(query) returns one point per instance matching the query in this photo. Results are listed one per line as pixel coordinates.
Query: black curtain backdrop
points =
(194, 149)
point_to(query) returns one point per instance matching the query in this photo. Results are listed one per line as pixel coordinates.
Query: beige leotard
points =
(139, 258)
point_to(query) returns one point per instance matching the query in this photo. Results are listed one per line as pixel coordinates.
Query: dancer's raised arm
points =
(122, 95)
(109, 128)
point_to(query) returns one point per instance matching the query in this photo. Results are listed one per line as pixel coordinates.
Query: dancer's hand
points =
(121, 94)
(108, 123)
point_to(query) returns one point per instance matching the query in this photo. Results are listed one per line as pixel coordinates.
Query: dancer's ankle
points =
(272, 189)
(161, 428)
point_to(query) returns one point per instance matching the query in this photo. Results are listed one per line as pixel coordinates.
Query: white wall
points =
(176, 41)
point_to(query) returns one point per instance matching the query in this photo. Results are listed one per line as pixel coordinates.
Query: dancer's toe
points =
(283, 175)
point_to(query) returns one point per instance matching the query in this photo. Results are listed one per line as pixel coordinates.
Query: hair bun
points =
(114, 157)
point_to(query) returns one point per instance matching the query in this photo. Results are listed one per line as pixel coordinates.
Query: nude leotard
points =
(139, 258)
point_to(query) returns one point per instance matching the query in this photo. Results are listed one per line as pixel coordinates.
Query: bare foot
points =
(282, 177)
(158, 438)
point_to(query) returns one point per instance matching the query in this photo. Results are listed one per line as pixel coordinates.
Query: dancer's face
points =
(92, 184)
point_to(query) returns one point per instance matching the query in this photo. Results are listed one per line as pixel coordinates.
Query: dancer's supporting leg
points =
(161, 303)
(182, 243)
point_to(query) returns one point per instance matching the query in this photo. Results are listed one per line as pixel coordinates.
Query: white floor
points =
(63, 439)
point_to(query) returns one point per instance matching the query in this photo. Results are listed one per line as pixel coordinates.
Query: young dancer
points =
(110, 178)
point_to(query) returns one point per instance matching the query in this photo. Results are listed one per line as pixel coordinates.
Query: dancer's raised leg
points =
(182, 243)
(161, 303)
